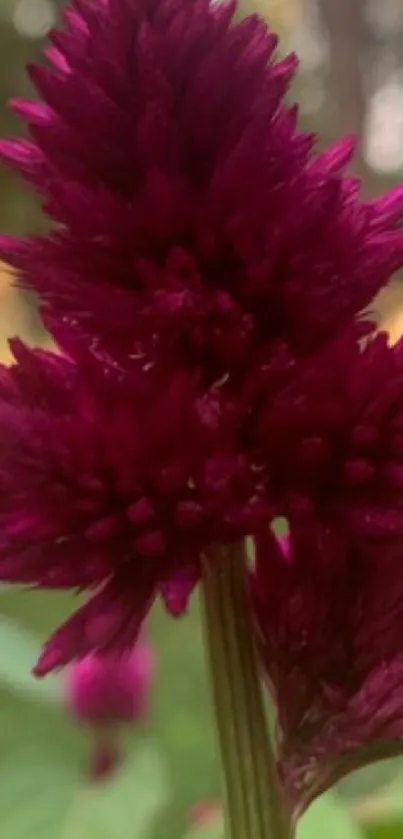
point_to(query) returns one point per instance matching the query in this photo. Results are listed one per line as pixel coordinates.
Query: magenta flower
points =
(205, 276)
(331, 440)
(189, 215)
(106, 690)
(116, 485)
(329, 601)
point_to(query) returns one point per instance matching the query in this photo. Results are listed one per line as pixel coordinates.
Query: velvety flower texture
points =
(216, 268)
(114, 485)
(329, 600)
(191, 220)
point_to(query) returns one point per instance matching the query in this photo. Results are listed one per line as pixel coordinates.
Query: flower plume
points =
(186, 207)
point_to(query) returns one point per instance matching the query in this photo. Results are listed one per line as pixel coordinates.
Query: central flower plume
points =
(186, 207)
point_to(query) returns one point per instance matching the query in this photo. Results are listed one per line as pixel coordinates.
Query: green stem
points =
(254, 800)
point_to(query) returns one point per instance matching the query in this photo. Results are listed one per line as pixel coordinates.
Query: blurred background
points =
(350, 81)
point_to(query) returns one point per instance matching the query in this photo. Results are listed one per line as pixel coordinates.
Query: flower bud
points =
(106, 690)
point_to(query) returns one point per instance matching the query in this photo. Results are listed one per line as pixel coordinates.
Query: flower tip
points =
(12, 250)
(17, 347)
(286, 68)
(337, 156)
(50, 659)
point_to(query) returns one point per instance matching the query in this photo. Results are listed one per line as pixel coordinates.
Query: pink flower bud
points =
(103, 690)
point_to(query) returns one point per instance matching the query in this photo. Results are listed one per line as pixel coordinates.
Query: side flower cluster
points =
(328, 598)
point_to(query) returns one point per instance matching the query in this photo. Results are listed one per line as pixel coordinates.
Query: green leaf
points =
(125, 808)
(382, 814)
(371, 779)
(43, 795)
(328, 819)
(391, 830)
(18, 652)
(37, 610)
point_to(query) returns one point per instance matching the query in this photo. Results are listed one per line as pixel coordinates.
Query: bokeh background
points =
(351, 81)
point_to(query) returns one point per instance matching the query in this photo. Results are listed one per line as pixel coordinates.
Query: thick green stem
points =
(253, 798)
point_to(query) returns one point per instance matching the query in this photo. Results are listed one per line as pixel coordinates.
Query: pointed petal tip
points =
(388, 208)
(50, 659)
(13, 251)
(30, 111)
(287, 67)
(335, 158)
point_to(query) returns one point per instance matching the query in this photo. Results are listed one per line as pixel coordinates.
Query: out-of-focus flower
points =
(329, 601)
(105, 690)
(114, 485)
(191, 221)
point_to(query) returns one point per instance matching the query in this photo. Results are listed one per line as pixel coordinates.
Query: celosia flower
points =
(329, 601)
(106, 690)
(172, 169)
(216, 267)
(113, 484)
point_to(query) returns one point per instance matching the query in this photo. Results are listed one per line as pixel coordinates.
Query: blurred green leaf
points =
(18, 652)
(370, 779)
(37, 610)
(327, 818)
(125, 808)
(181, 714)
(382, 815)
(384, 831)
(211, 829)
(43, 761)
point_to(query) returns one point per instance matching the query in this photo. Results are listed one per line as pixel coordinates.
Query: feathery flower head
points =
(216, 267)
(108, 690)
(115, 485)
(329, 600)
(331, 438)
(191, 220)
